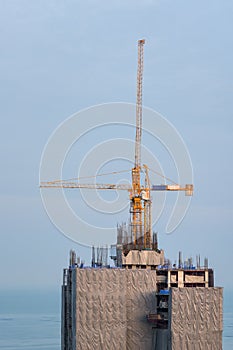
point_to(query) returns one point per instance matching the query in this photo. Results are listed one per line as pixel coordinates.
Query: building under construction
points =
(146, 305)
(143, 302)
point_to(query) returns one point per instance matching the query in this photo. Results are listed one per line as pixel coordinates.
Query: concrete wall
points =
(143, 257)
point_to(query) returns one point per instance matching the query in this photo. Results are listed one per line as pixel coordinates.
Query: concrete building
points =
(136, 307)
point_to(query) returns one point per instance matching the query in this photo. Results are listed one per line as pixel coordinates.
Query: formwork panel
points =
(111, 308)
(196, 318)
(141, 287)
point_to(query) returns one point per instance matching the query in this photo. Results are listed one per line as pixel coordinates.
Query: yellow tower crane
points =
(140, 199)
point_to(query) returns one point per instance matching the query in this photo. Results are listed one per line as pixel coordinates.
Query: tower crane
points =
(140, 198)
(136, 207)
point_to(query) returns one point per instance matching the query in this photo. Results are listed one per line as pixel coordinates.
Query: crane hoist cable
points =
(93, 176)
(163, 176)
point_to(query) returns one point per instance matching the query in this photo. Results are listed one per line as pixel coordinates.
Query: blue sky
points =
(58, 57)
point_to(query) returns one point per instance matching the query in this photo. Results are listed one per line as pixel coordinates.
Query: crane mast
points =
(147, 211)
(139, 104)
(136, 201)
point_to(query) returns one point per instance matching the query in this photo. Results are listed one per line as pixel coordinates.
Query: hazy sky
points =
(58, 57)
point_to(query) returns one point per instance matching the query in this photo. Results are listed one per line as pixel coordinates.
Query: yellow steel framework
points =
(140, 199)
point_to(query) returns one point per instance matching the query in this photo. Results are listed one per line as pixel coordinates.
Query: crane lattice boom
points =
(140, 199)
(125, 187)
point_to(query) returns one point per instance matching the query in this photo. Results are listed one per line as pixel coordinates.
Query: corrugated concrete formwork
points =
(195, 319)
(111, 308)
(106, 309)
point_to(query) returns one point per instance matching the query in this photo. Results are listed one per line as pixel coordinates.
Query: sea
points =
(30, 320)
